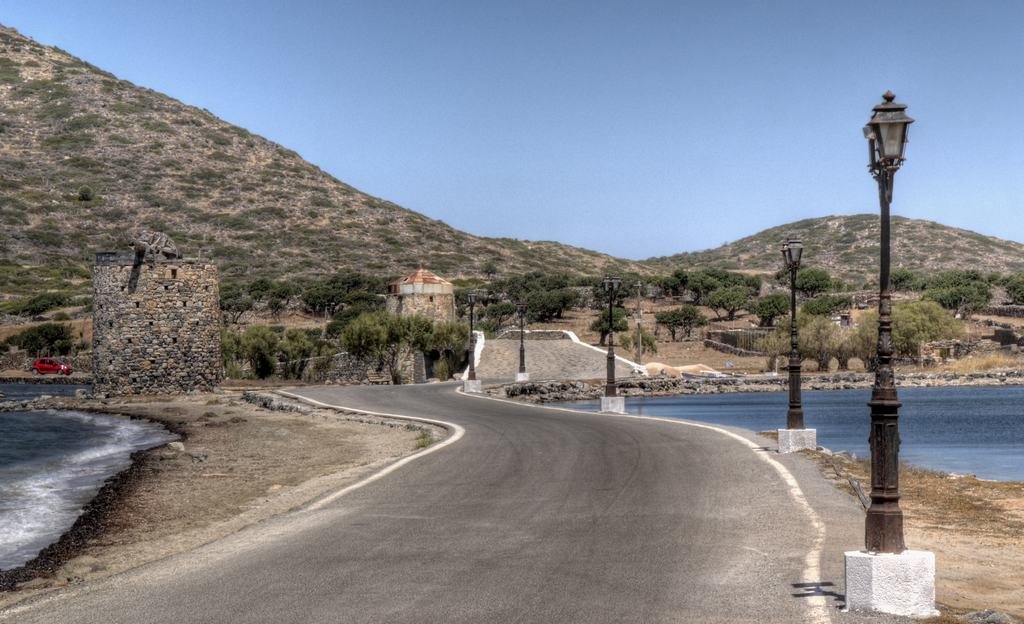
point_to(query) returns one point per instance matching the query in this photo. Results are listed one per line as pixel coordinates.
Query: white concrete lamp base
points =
(791, 440)
(613, 405)
(521, 377)
(472, 385)
(900, 584)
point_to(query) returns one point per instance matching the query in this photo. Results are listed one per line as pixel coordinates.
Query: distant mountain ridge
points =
(848, 246)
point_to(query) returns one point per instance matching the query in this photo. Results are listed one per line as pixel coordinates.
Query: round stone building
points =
(424, 293)
(156, 325)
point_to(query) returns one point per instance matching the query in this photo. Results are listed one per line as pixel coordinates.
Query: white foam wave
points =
(39, 502)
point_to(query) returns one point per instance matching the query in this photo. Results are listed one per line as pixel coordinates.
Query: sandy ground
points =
(240, 464)
(975, 528)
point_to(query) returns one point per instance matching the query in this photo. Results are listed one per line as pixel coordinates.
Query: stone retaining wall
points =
(20, 360)
(731, 350)
(542, 392)
(1013, 311)
(533, 334)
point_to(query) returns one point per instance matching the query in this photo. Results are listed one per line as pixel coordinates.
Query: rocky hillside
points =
(219, 191)
(848, 247)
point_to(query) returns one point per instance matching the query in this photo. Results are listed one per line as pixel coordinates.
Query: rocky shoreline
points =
(92, 522)
(554, 391)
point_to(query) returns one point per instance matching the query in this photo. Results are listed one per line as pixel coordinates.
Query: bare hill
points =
(219, 191)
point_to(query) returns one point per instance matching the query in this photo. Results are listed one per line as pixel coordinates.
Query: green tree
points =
(902, 279)
(963, 299)
(543, 306)
(820, 339)
(352, 305)
(387, 338)
(685, 318)
(730, 299)
(914, 323)
(500, 312)
(280, 296)
(259, 289)
(235, 302)
(827, 305)
(490, 269)
(811, 281)
(619, 323)
(451, 341)
(769, 308)
(701, 284)
(260, 349)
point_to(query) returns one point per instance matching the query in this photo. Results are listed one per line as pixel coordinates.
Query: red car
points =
(50, 366)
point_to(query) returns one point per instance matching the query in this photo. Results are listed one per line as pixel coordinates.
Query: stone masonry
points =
(422, 293)
(156, 326)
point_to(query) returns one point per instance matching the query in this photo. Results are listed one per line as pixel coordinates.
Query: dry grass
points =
(975, 528)
(988, 361)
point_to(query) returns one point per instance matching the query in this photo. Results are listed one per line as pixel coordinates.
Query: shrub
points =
(387, 338)
(913, 324)
(962, 299)
(260, 348)
(1015, 288)
(37, 304)
(86, 194)
(45, 339)
(628, 341)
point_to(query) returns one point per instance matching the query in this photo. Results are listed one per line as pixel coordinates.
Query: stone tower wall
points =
(156, 327)
(437, 306)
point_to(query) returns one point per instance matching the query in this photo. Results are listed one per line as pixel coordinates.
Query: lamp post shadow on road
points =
(795, 436)
(885, 576)
(611, 402)
(472, 384)
(521, 374)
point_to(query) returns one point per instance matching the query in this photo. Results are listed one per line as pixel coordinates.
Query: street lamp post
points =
(611, 286)
(795, 436)
(471, 384)
(886, 576)
(522, 375)
(886, 133)
(611, 402)
(471, 297)
(792, 250)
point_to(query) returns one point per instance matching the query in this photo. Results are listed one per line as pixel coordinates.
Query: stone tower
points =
(156, 325)
(424, 293)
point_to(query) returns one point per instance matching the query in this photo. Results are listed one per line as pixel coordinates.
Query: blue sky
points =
(638, 129)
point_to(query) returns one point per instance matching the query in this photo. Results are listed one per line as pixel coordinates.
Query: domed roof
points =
(421, 276)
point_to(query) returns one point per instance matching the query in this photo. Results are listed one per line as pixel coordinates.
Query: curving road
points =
(534, 515)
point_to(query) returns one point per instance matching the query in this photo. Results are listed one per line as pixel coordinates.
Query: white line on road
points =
(457, 432)
(817, 606)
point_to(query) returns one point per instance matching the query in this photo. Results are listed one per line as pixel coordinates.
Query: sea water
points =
(54, 462)
(964, 430)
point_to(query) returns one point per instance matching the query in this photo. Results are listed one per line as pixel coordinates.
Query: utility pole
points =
(639, 329)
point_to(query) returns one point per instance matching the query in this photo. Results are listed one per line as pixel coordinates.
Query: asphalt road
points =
(534, 515)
